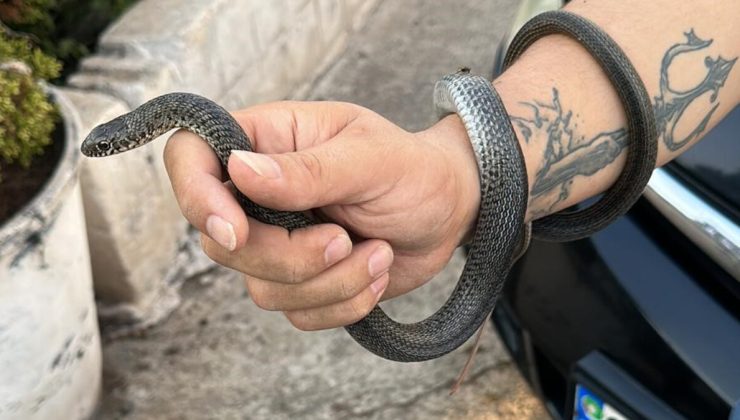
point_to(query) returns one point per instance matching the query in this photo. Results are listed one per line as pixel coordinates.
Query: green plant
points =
(26, 116)
(36, 32)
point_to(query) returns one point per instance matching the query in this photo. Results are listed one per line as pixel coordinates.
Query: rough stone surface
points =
(237, 53)
(219, 356)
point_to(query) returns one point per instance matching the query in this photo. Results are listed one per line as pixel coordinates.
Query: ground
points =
(219, 356)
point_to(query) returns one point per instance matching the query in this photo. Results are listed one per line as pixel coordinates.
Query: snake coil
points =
(500, 230)
(643, 135)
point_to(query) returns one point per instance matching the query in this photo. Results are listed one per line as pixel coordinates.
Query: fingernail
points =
(379, 285)
(380, 261)
(221, 231)
(338, 248)
(262, 164)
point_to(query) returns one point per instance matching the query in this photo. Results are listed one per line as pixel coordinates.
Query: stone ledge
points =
(270, 47)
(238, 53)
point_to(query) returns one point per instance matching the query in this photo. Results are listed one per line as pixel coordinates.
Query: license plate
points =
(589, 406)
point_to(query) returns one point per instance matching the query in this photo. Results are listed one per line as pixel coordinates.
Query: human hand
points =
(406, 199)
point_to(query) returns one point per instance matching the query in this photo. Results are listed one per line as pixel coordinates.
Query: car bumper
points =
(633, 302)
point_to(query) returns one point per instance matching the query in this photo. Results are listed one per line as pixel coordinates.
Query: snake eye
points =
(103, 146)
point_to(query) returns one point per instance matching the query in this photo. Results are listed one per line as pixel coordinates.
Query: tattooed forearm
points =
(569, 154)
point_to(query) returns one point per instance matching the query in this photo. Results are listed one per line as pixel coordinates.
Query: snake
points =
(500, 234)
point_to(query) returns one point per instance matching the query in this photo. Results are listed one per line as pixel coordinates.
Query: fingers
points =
(208, 204)
(343, 170)
(297, 276)
(342, 313)
(341, 282)
(196, 174)
(287, 126)
(341, 154)
(274, 254)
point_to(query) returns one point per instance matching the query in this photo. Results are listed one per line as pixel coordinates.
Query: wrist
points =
(510, 93)
(453, 136)
(529, 83)
(449, 136)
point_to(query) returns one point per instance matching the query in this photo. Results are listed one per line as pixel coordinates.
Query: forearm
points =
(568, 117)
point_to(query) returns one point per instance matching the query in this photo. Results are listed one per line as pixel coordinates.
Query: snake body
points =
(500, 228)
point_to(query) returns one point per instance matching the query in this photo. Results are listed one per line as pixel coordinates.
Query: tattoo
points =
(671, 104)
(569, 154)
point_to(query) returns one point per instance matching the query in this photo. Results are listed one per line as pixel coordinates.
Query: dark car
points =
(641, 320)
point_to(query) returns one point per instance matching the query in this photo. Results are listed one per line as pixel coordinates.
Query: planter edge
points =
(21, 231)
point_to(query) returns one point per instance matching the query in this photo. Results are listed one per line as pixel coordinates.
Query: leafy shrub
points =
(37, 31)
(26, 116)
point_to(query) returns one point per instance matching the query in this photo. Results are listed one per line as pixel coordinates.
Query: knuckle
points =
(188, 203)
(312, 165)
(358, 131)
(168, 154)
(348, 288)
(260, 298)
(209, 248)
(285, 273)
(295, 270)
(359, 308)
(300, 320)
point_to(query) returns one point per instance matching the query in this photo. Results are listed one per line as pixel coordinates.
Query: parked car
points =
(641, 320)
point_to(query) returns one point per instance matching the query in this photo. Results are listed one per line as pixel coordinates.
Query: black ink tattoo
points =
(671, 104)
(568, 154)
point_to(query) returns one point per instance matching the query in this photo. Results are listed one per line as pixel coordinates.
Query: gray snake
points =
(500, 229)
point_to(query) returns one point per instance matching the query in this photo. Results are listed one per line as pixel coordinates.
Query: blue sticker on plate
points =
(588, 406)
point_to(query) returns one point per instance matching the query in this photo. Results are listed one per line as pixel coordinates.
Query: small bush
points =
(26, 116)
(43, 40)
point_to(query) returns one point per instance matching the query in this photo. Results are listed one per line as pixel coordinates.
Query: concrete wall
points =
(235, 52)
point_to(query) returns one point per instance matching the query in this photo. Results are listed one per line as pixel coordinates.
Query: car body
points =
(641, 320)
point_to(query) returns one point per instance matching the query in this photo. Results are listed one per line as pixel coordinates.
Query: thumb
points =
(334, 172)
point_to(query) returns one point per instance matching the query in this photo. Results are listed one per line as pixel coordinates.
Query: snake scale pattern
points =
(500, 229)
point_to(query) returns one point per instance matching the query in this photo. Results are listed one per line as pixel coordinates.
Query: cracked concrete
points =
(219, 356)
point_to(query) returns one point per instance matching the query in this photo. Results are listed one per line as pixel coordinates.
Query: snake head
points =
(107, 139)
